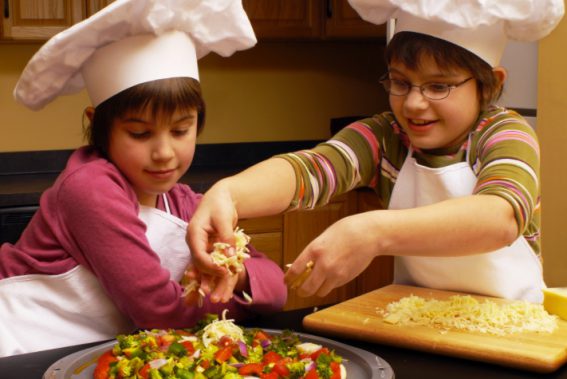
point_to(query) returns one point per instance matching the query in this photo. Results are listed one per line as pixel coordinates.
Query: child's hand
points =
(221, 287)
(213, 221)
(334, 258)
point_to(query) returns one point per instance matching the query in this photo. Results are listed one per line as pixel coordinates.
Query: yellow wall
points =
(273, 92)
(552, 131)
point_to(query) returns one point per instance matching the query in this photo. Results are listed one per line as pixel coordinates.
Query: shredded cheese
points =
(464, 312)
(234, 263)
(215, 330)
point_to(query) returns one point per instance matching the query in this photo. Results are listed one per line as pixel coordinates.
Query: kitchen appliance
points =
(520, 60)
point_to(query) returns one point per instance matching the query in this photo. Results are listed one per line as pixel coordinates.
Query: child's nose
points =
(163, 150)
(415, 99)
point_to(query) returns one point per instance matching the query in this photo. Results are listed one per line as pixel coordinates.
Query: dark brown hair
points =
(408, 48)
(161, 96)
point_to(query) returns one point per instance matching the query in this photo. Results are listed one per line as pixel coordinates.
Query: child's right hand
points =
(213, 221)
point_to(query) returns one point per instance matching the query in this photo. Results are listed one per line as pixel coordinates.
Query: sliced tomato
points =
(103, 365)
(336, 369)
(223, 354)
(312, 374)
(144, 373)
(259, 337)
(205, 364)
(271, 357)
(225, 341)
(251, 369)
(188, 345)
(316, 354)
(269, 375)
(281, 369)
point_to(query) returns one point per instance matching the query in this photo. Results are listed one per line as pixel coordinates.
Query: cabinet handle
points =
(6, 9)
(329, 8)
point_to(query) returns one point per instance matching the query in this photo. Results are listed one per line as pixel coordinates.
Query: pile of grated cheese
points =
(463, 312)
(234, 263)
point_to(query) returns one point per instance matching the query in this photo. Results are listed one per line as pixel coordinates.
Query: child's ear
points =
(500, 73)
(89, 112)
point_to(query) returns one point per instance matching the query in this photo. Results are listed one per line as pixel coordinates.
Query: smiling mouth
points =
(420, 122)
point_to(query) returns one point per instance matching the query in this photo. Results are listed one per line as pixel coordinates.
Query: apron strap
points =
(166, 204)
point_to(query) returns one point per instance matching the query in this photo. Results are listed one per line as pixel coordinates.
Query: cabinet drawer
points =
(262, 224)
(269, 244)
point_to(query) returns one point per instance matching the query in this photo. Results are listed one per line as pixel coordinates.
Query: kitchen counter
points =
(25, 175)
(407, 364)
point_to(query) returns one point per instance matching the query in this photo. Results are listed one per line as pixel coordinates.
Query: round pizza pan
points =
(359, 364)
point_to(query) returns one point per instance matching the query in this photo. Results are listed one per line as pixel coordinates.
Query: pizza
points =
(217, 348)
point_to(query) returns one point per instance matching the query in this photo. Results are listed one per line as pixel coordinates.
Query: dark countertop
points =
(25, 175)
(25, 189)
(407, 364)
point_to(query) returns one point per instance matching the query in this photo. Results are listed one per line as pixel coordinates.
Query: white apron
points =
(39, 312)
(513, 272)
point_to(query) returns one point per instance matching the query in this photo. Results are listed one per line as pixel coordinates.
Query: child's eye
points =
(179, 132)
(436, 87)
(139, 135)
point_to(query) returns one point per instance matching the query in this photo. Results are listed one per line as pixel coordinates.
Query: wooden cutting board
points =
(358, 318)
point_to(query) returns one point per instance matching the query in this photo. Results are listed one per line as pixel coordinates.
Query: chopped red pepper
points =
(336, 369)
(144, 373)
(271, 357)
(281, 368)
(312, 374)
(103, 366)
(223, 354)
(316, 354)
(251, 369)
(188, 345)
(269, 375)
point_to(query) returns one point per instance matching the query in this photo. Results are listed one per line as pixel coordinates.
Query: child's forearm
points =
(463, 226)
(264, 189)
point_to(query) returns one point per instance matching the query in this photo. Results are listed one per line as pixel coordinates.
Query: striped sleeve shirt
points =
(502, 150)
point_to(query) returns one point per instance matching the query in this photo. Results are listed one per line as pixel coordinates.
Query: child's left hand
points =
(221, 289)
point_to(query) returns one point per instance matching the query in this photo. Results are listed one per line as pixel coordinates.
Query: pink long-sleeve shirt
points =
(89, 217)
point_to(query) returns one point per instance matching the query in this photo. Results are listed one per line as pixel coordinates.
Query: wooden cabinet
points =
(39, 19)
(381, 271)
(308, 19)
(342, 21)
(285, 18)
(300, 228)
(271, 19)
(94, 6)
(283, 237)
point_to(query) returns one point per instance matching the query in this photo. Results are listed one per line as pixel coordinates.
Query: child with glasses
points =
(458, 174)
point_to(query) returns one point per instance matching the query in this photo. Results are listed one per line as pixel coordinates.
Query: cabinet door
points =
(280, 19)
(301, 227)
(40, 19)
(343, 21)
(266, 235)
(381, 271)
(94, 6)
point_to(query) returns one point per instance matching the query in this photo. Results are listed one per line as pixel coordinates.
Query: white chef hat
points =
(482, 27)
(131, 42)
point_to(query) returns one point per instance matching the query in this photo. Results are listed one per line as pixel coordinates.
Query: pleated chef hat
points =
(482, 27)
(131, 42)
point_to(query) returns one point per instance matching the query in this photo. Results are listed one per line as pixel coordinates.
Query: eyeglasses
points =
(432, 91)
